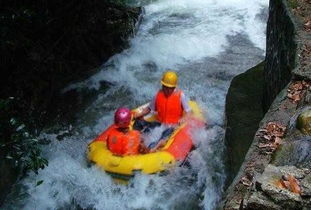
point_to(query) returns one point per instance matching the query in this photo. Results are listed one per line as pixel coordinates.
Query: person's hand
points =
(182, 121)
(143, 149)
(185, 118)
(134, 115)
(139, 115)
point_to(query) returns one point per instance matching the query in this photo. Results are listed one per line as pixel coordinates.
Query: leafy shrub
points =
(16, 141)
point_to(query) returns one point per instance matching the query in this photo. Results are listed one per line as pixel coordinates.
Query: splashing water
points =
(207, 42)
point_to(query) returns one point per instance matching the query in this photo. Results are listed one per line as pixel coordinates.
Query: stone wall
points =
(242, 119)
(280, 51)
(276, 171)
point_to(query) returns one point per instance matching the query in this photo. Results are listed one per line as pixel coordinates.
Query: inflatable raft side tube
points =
(147, 163)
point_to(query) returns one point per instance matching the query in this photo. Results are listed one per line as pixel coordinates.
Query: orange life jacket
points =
(120, 143)
(169, 108)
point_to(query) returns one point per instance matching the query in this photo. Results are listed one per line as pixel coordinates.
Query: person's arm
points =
(143, 149)
(185, 103)
(146, 110)
(141, 114)
(187, 109)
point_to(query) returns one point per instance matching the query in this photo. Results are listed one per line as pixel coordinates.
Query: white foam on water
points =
(177, 32)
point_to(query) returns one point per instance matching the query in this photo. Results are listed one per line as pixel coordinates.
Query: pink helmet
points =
(122, 117)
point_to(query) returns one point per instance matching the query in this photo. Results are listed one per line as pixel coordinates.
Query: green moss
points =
(281, 155)
(293, 3)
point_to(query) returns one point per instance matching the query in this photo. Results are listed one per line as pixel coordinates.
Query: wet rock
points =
(240, 95)
(8, 176)
(296, 152)
(304, 122)
(306, 186)
(258, 201)
(283, 196)
(268, 181)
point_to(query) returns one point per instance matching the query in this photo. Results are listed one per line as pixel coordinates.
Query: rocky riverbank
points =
(276, 171)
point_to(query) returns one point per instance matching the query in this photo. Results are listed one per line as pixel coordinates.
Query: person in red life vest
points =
(120, 139)
(170, 104)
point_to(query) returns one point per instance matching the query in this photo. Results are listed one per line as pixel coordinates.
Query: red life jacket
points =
(120, 143)
(169, 108)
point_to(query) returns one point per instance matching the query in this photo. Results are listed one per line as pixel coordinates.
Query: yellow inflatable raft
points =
(177, 148)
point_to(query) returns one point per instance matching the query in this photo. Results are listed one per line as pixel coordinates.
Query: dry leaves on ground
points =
(301, 7)
(305, 55)
(271, 137)
(307, 25)
(295, 90)
(290, 183)
(245, 181)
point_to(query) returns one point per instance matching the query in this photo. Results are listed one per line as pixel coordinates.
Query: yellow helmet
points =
(169, 79)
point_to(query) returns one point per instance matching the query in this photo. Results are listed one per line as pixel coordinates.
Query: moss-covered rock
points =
(243, 114)
(304, 122)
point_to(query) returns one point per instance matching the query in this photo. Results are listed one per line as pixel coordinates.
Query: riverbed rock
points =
(258, 200)
(294, 151)
(304, 122)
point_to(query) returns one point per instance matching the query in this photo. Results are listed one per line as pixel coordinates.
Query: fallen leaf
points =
(262, 130)
(250, 164)
(307, 25)
(261, 145)
(294, 185)
(279, 184)
(297, 86)
(267, 137)
(295, 90)
(245, 181)
(285, 184)
(277, 141)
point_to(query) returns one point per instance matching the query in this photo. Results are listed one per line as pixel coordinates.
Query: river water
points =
(207, 42)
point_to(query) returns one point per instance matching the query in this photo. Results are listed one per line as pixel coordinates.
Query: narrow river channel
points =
(207, 42)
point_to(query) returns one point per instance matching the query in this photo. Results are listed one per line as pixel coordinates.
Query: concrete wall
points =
(280, 51)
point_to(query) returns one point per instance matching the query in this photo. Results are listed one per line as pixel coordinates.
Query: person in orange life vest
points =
(120, 140)
(170, 103)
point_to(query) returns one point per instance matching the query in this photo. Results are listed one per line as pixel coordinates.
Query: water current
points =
(207, 42)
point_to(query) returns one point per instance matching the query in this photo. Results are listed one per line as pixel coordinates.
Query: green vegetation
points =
(16, 142)
(293, 3)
